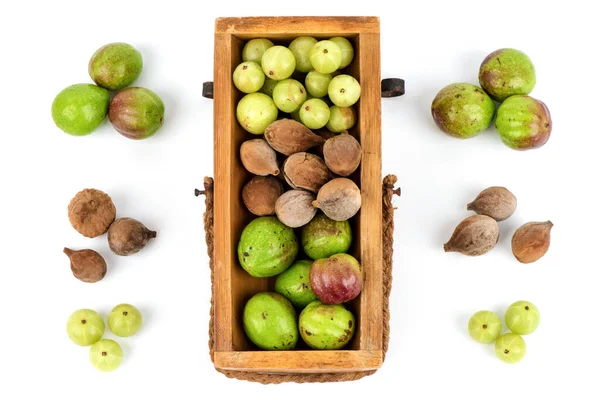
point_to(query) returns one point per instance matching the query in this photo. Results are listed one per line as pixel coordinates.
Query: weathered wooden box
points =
(232, 285)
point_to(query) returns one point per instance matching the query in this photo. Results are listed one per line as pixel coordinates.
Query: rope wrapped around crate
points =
(272, 378)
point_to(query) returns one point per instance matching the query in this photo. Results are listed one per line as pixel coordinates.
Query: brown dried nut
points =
(294, 208)
(496, 202)
(305, 171)
(531, 241)
(474, 236)
(86, 265)
(288, 137)
(91, 212)
(339, 199)
(325, 134)
(127, 236)
(259, 158)
(261, 193)
(342, 154)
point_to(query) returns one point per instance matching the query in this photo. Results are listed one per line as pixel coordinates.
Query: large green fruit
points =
(323, 237)
(115, 66)
(136, 113)
(79, 109)
(506, 72)
(523, 123)
(294, 284)
(267, 247)
(270, 322)
(462, 110)
(325, 326)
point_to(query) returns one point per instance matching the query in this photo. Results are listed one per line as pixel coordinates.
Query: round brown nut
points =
(261, 193)
(127, 236)
(496, 202)
(474, 236)
(531, 241)
(91, 212)
(342, 154)
(339, 199)
(305, 171)
(294, 208)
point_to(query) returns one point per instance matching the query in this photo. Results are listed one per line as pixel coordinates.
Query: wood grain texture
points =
(299, 361)
(233, 286)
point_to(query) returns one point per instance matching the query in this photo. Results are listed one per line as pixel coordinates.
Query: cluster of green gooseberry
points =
(271, 76)
(85, 327)
(522, 318)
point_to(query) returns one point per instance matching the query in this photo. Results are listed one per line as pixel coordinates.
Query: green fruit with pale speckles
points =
(294, 284)
(79, 109)
(270, 322)
(267, 247)
(326, 326)
(323, 237)
(506, 72)
(115, 66)
(462, 110)
(523, 123)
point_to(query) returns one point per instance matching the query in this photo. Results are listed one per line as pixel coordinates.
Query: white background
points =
(46, 45)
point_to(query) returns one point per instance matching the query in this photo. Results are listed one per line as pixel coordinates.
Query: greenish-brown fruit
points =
(270, 322)
(462, 110)
(524, 123)
(323, 237)
(115, 66)
(506, 72)
(294, 284)
(326, 326)
(136, 113)
(267, 247)
(127, 236)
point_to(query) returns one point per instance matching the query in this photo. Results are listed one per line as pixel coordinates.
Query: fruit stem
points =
(315, 204)
(68, 251)
(470, 206)
(151, 234)
(448, 248)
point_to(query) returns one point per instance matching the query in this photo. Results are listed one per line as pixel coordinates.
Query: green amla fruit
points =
(294, 284)
(270, 322)
(462, 110)
(267, 247)
(115, 66)
(326, 326)
(79, 109)
(523, 122)
(506, 72)
(323, 237)
(136, 113)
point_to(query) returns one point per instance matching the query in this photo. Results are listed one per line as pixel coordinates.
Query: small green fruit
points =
(79, 109)
(124, 320)
(324, 326)
(323, 237)
(106, 355)
(522, 317)
(462, 110)
(85, 327)
(510, 348)
(506, 72)
(267, 247)
(294, 284)
(136, 113)
(485, 327)
(115, 66)
(523, 123)
(270, 322)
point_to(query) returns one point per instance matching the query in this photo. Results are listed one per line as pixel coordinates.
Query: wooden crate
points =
(232, 285)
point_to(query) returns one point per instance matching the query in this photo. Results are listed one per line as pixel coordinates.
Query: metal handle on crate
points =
(390, 87)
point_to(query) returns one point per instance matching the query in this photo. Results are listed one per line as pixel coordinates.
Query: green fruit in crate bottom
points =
(115, 66)
(136, 113)
(267, 247)
(270, 322)
(523, 123)
(324, 326)
(323, 237)
(294, 284)
(79, 109)
(462, 110)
